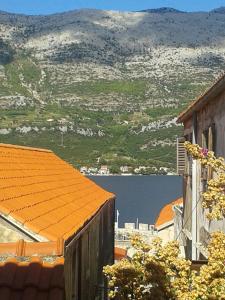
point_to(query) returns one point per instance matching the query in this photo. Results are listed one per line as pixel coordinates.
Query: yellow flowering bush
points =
(209, 284)
(156, 272)
(214, 197)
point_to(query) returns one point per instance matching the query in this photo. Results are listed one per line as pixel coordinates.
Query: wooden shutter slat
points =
(181, 156)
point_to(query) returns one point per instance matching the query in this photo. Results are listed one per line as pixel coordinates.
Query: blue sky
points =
(52, 6)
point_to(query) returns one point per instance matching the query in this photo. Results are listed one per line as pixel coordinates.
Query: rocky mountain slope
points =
(104, 87)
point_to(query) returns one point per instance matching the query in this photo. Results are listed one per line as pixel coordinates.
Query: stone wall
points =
(8, 233)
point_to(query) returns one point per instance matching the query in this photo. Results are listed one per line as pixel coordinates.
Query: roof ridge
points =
(205, 93)
(165, 209)
(25, 248)
(173, 201)
(178, 199)
(25, 148)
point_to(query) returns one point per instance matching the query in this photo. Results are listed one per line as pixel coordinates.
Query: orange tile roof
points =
(45, 194)
(218, 85)
(23, 248)
(167, 214)
(34, 279)
(120, 253)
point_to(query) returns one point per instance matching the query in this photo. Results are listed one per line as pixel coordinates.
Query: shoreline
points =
(127, 175)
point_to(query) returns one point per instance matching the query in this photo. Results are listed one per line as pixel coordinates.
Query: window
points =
(205, 139)
(212, 136)
(209, 138)
(208, 142)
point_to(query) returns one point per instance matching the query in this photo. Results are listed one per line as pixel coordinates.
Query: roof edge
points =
(177, 201)
(70, 239)
(164, 225)
(25, 148)
(22, 228)
(215, 88)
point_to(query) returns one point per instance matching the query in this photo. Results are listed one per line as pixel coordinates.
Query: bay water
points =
(141, 197)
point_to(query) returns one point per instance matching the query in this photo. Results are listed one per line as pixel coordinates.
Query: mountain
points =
(220, 10)
(162, 10)
(105, 87)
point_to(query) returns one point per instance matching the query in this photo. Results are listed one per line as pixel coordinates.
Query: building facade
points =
(204, 124)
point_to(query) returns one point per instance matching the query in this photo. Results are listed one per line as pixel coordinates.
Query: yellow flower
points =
(214, 197)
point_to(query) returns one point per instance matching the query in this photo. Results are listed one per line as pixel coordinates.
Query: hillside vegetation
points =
(103, 87)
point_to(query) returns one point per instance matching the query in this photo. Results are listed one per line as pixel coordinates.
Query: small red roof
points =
(167, 214)
(120, 253)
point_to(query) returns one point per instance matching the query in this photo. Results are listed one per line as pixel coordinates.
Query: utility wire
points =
(188, 219)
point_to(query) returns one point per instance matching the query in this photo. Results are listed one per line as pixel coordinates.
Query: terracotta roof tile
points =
(34, 280)
(44, 193)
(55, 294)
(8, 273)
(120, 253)
(23, 248)
(167, 214)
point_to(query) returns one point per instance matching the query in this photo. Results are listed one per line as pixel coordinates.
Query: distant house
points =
(124, 169)
(204, 124)
(92, 171)
(140, 169)
(165, 222)
(104, 170)
(84, 170)
(57, 228)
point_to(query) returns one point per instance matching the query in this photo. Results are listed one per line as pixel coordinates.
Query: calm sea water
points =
(141, 197)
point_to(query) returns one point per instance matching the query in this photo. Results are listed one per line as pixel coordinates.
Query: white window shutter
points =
(181, 156)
